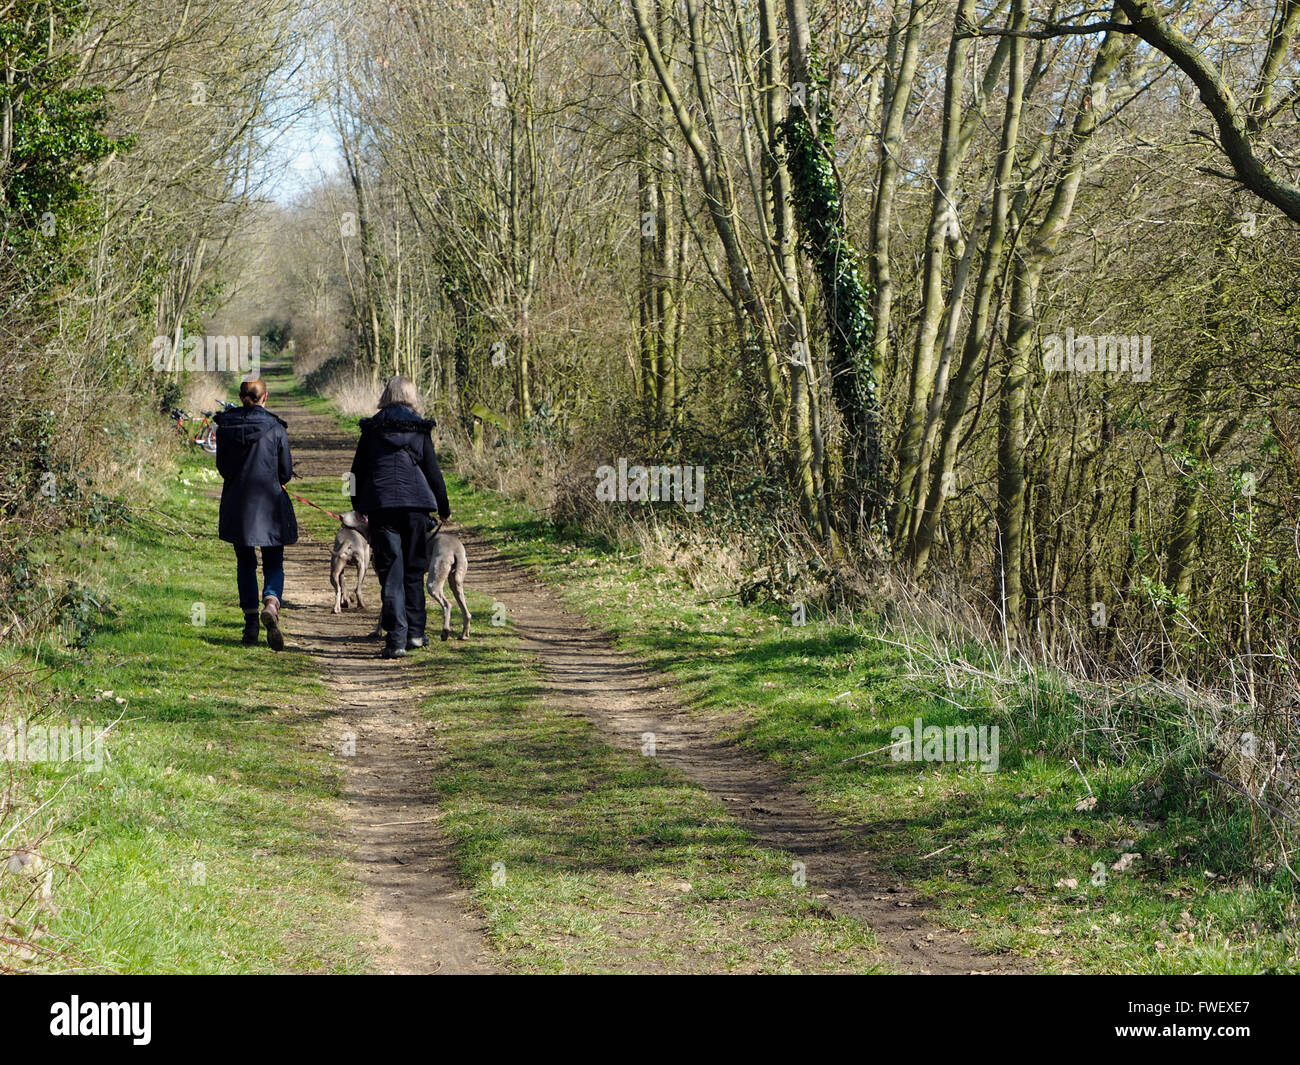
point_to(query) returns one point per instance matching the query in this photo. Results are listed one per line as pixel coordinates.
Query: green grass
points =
(989, 848)
(207, 841)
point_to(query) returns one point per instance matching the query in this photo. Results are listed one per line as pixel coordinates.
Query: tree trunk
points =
(809, 134)
(898, 95)
(941, 233)
(1021, 328)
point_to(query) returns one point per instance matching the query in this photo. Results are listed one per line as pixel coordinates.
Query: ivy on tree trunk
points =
(809, 135)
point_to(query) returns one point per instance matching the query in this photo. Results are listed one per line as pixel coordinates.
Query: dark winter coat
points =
(253, 459)
(395, 467)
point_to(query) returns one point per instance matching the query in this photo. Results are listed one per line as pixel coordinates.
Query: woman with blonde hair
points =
(396, 482)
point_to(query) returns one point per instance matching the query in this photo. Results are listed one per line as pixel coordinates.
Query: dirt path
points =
(411, 896)
(583, 672)
(420, 914)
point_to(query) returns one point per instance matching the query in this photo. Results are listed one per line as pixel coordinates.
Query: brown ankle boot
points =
(271, 619)
(251, 627)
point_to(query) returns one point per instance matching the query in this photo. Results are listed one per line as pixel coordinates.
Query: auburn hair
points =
(251, 393)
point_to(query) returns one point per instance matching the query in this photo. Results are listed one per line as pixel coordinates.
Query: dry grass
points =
(36, 852)
(561, 487)
(354, 396)
(353, 392)
(205, 391)
(526, 473)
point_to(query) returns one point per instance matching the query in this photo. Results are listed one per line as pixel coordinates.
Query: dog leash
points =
(339, 517)
(301, 499)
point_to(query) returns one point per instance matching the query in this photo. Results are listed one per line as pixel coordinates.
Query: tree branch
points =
(1228, 114)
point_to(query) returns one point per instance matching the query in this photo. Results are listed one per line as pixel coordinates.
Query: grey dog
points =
(351, 547)
(448, 562)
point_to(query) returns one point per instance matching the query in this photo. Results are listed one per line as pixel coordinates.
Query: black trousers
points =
(399, 541)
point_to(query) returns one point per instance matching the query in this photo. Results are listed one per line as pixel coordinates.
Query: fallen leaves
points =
(1126, 862)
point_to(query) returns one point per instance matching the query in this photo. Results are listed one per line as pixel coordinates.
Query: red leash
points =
(336, 517)
(339, 517)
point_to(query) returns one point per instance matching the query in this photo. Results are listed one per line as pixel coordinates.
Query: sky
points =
(304, 150)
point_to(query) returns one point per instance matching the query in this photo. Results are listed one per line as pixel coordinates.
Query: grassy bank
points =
(203, 843)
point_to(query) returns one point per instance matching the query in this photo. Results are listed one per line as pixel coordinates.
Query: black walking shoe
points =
(252, 628)
(393, 652)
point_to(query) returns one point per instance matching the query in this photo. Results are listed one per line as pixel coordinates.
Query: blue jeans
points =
(272, 572)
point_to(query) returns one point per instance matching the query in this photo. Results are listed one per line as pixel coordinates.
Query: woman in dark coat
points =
(396, 482)
(253, 459)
